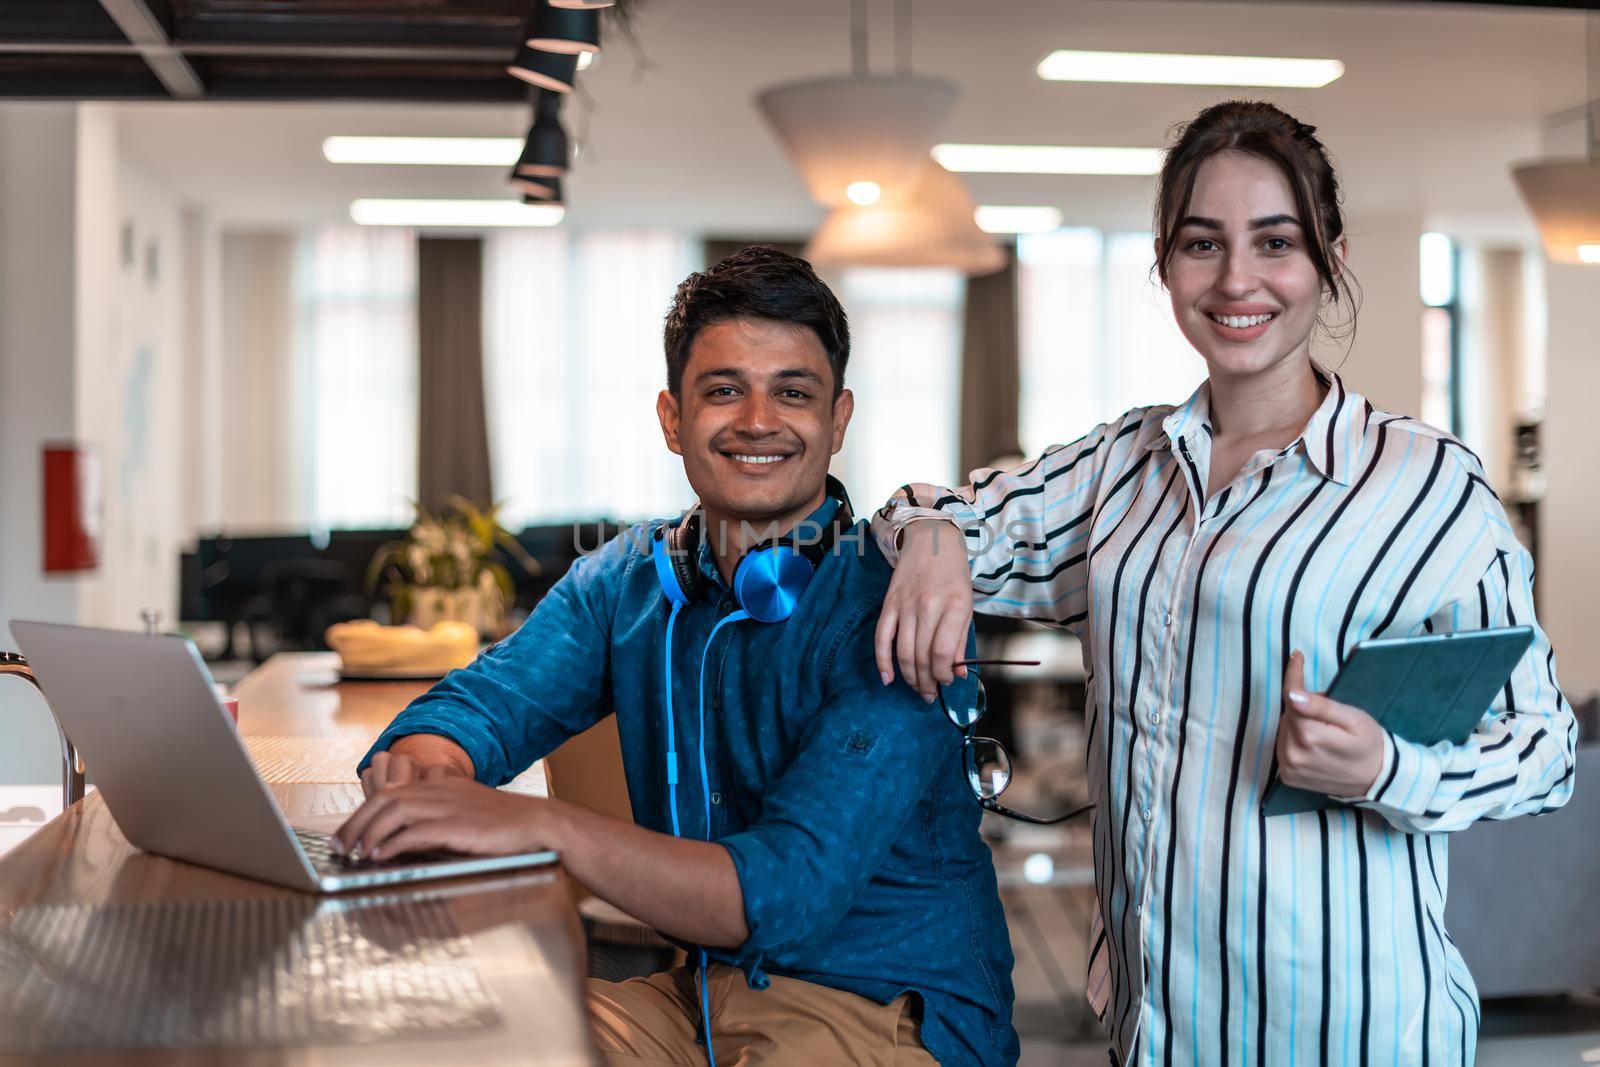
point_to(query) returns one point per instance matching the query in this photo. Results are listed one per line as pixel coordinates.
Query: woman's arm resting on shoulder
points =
(1023, 551)
(929, 597)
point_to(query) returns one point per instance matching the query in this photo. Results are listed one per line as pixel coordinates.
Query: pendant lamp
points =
(563, 29)
(551, 197)
(547, 70)
(866, 128)
(1564, 194)
(860, 137)
(546, 152)
(1564, 197)
(931, 225)
(541, 191)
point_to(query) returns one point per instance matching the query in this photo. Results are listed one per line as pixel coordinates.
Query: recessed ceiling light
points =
(464, 214)
(1046, 159)
(863, 194)
(1170, 68)
(995, 218)
(427, 151)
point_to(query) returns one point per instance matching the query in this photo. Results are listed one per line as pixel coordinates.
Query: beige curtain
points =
(453, 440)
(989, 372)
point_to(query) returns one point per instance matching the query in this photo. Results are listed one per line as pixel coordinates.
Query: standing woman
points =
(1218, 561)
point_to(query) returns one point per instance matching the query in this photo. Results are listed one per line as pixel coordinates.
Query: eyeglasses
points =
(986, 761)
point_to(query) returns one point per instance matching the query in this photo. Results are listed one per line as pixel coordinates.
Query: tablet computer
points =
(1427, 689)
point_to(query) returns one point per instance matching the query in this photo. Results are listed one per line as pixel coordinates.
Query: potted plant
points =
(448, 567)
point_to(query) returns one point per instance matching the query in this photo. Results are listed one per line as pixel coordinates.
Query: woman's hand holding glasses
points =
(986, 762)
(928, 609)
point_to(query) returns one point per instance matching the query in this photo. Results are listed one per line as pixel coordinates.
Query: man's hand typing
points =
(416, 758)
(442, 811)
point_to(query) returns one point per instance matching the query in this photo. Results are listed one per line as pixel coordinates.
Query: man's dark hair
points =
(758, 282)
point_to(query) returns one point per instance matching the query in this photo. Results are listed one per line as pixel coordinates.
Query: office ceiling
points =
(260, 49)
(397, 50)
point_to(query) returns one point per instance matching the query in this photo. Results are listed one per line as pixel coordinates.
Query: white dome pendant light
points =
(861, 130)
(1564, 194)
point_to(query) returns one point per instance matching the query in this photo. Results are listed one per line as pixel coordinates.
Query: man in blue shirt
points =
(829, 862)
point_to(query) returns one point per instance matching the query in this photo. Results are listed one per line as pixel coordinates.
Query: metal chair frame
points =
(72, 769)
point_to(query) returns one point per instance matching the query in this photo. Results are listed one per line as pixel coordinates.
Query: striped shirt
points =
(1223, 936)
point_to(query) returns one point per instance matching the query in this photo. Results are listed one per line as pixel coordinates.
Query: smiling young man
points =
(824, 852)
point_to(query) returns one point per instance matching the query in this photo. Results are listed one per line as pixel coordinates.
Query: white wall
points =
(258, 487)
(1569, 574)
(131, 381)
(1385, 363)
(38, 162)
(203, 417)
(91, 352)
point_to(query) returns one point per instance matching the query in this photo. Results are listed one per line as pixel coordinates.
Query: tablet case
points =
(1427, 689)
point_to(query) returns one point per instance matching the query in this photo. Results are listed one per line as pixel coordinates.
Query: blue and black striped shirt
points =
(1222, 936)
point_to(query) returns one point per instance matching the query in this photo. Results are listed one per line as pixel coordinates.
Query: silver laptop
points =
(172, 768)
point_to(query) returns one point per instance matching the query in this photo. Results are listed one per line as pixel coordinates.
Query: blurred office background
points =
(248, 382)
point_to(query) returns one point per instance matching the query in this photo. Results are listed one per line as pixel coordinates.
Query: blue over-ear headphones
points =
(768, 582)
(769, 577)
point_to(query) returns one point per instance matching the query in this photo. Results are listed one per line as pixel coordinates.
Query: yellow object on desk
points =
(366, 646)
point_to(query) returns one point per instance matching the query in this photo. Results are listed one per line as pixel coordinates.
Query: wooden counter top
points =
(523, 931)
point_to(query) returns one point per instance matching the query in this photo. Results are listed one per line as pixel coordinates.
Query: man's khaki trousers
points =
(655, 1020)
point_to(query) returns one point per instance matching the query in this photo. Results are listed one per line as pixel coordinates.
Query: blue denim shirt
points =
(840, 800)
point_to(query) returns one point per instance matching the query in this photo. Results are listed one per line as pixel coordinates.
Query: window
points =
(1441, 333)
(355, 373)
(1096, 334)
(905, 372)
(573, 364)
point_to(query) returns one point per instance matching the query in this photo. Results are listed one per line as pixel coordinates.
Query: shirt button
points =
(1166, 618)
(1146, 814)
(1155, 717)
(716, 798)
(1138, 909)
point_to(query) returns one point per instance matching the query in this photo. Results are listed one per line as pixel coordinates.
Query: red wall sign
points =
(71, 509)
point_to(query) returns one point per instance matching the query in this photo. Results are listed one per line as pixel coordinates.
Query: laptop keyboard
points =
(325, 860)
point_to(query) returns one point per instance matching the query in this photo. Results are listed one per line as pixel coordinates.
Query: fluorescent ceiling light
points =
(432, 151)
(463, 214)
(1046, 159)
(993, 218)
(1171, 68)
(1589, 253)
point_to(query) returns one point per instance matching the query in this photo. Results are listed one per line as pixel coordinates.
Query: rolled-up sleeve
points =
(1520, 759)
(523, 697)
(864, 763)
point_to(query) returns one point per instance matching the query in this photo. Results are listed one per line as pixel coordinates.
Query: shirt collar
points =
(1189, 417)
(1332, 438)
(708, 562)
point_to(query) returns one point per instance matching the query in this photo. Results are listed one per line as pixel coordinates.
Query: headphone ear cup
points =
(770, 579)
(682, 557)
(666, 572)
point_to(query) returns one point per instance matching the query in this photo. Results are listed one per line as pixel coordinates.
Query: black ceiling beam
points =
(468, 53)
(57, 20)
(65, 77)
(486, 23)
(144, 23)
